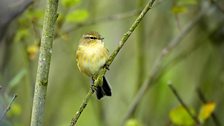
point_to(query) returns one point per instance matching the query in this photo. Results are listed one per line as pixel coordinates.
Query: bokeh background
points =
(197, 63)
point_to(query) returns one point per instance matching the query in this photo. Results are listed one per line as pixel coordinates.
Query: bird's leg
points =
(92, 86)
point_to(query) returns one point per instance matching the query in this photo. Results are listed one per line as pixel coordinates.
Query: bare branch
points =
(8, 107)
(183, 104)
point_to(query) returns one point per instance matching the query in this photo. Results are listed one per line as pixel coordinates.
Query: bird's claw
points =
(106, 66)
(93, 88)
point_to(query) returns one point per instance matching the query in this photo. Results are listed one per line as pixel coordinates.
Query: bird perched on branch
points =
(91, 55)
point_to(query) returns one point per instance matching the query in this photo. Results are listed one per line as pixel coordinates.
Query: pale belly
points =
(90, 60)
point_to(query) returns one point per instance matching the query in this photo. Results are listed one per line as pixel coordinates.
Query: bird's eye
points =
(92, 37)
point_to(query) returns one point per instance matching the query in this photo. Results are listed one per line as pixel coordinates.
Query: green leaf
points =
(15, 110)
(187, 2)
(69, 3)
(35, 14)
(30, 15)
(77, 16)
(133, 122)
(179, 116)
(179, 9)
(21, 34)
(182, 6)
(32, 51)
(206, 111)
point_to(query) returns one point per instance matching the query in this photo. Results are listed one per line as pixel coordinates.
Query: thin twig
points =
(158, 63)
(183, 104)
(110, 60)
(103, 19)
(204, 101)
(8, 107)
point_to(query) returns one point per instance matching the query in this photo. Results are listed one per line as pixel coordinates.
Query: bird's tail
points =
(103, 90)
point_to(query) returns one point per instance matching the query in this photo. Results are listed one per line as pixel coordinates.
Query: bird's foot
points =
(93, 88)
(106, 66)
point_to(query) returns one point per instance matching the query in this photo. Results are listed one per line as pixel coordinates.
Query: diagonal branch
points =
(8, 107)
(156, 69)
(110, 60)
(183, 104)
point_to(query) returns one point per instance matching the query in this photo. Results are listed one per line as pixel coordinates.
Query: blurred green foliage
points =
(77, 16)
(201, 67)
(14, 81)
(180, 117)
(186, 2)
(182, 6)
(69, 3)
(133, 122)
(15, 110)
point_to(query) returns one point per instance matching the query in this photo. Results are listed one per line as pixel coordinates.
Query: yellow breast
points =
(90, 58)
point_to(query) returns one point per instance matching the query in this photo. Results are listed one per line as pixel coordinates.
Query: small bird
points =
(91, 55)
